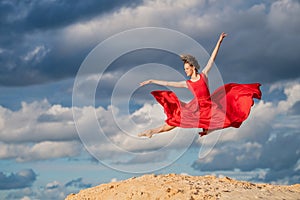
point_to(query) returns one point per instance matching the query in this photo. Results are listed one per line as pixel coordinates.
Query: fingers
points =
(144, 83)
(223, 34)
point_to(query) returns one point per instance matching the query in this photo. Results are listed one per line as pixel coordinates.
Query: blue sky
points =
(43, 45)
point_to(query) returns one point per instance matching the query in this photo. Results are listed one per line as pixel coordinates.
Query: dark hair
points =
(186, 58)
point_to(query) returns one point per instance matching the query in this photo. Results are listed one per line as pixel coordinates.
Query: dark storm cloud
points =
(30, 51)
(261, 46)
(262, 41)
(44, 14)
(289, 175)
(22, 179)
(51, 14)
(260, 65)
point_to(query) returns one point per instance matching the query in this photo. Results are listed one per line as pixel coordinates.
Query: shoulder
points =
(203, 74)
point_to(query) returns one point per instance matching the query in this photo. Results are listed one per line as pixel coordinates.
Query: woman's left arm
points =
(213, 55)
(180, 84)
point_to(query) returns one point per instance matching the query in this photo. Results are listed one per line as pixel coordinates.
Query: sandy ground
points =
(177, 187)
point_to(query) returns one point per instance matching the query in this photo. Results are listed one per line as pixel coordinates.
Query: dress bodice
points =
(199, 88)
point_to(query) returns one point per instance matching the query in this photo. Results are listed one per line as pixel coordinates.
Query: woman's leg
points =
(149, 133)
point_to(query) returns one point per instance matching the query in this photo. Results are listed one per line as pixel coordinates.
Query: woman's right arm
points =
(181, 84)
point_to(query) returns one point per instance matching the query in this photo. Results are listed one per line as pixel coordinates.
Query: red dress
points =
(228, 106)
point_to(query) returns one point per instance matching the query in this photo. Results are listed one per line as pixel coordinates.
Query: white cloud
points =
(113, 180)
(49, 150)
(150, 13)
(192, 17)
(50, 190)
(40, 131)
(286, 14)
(37, 54)
(293, 95)
(118, 142)
(37, 121)
(40, 151)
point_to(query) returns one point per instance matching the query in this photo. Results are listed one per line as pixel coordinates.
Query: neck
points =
(194, 76)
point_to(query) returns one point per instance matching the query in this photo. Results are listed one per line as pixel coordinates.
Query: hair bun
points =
(190, 59)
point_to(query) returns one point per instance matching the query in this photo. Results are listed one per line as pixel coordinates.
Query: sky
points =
(65, 127)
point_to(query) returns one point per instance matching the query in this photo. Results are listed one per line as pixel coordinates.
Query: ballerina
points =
(228, 106)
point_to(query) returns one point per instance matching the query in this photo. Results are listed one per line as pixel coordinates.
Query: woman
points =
(228, 106)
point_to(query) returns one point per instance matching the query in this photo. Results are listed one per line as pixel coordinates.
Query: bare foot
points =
(147, 133)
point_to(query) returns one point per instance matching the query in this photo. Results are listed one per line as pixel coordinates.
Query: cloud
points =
(40, 151)
(21, 179)
(63, 51)
(155, 157)
(246, 23)
(36, 55)
(78, 183)
(30, 16)
(57, 17)
(284, 13)
(295, 109)
(37, 48)
(38, 131)
(50, 190)
(30, 34)
(267, 140)
(52, 186)
(35, 122)
(41, 131)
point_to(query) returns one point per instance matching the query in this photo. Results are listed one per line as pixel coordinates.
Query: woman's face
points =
(188, 69)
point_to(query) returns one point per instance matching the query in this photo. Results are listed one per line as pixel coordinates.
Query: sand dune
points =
(183, 187)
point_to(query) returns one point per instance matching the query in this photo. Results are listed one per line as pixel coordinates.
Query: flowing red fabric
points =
(228, 106)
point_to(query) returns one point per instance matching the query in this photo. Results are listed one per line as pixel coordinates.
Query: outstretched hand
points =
(222, 36)
(145, 82)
